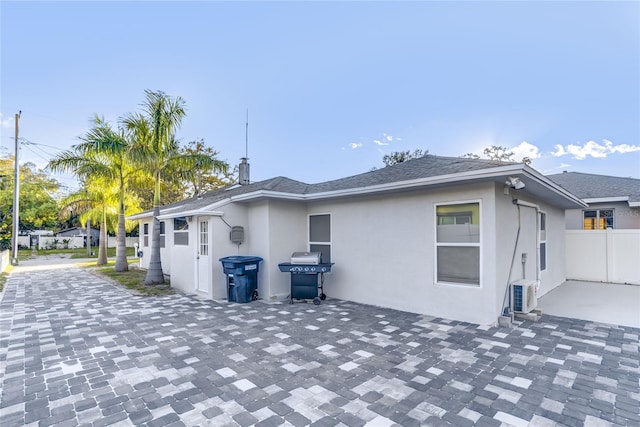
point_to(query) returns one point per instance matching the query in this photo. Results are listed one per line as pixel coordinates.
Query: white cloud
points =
(524, 149)
(593, 149)
(378, 142)
(6, 123)
(355, 145)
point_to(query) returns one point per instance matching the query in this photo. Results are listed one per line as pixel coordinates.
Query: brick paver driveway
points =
(77, 350)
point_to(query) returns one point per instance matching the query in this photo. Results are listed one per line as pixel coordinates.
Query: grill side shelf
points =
(287, 267)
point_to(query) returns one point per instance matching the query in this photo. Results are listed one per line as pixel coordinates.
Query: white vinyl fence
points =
(130, 241)
(48, 242)
(603, 255)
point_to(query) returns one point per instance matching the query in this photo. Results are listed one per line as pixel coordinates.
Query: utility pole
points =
(16, 197)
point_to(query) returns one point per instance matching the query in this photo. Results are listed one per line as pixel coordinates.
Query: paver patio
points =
(77, 350)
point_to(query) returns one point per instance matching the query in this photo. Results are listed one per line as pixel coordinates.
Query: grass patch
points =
(134, 280)
(3, 279)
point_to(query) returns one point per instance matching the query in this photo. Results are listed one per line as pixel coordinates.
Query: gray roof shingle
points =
(591, 186)
(423, 167)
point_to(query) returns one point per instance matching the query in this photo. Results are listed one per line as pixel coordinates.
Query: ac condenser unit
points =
(524, 296)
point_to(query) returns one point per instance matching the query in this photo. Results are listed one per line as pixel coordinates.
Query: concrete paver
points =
(77, 350)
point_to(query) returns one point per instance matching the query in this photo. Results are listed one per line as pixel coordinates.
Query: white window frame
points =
(310, 242)
(445, 244)
(181, 232)
(145, 234)
(543, 240)
(163, 235)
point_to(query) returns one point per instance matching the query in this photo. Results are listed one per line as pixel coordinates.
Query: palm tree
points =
(94, 202)
(103, 154)
(156, 149)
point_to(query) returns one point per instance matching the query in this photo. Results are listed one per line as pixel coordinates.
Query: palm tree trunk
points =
(121, 248)
(121, 236)
(102, 247)
(155, 275)
(88, 237)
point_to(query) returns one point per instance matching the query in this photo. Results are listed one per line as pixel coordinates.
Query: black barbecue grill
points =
(307, 276)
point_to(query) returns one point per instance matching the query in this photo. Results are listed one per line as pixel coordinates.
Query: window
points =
(180, 231)
(458, 243)
(145, 234)
(598, 219)
(320, 235)
(543, 241)
(204, 238)
(162, 234)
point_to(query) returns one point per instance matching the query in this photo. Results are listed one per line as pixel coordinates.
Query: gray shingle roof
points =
(423, 167)
(591, 186)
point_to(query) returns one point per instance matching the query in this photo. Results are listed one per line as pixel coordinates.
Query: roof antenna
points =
(244, 165)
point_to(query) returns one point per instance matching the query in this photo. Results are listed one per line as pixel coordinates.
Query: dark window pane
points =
(180, 224)
(146, 229)
(324, 249)
(543, 256)
(161, 227)
(181, 239)
(320, 228)
(162, 241)
(459, 264)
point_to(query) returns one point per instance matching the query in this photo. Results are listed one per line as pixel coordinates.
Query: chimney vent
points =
(243, 170)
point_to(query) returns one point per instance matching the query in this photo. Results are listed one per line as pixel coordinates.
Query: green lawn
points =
(134, 280)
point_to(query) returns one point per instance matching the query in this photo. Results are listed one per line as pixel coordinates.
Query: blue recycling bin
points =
(242, 277)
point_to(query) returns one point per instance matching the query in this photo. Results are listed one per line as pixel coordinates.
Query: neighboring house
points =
(614, 202)
(436, 235)
(79, 231)
(603, 239)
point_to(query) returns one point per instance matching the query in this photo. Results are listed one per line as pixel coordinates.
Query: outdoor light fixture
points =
(515, 183)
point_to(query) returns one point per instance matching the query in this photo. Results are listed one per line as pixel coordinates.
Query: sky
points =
(331, 87)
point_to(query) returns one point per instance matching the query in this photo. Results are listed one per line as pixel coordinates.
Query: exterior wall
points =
(221, 246)
(624, 217)
(384, 250)
(287, 234)
(603, 255)
(165, 255)
(181, 261)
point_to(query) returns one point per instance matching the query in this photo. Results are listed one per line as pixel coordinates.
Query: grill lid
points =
(312, 258)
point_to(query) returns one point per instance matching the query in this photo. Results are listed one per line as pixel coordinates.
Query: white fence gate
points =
(603, 255)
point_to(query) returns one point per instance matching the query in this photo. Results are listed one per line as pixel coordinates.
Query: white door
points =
(203, 257)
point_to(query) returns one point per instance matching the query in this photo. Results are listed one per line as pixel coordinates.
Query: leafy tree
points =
(103, 161)
(499, 153)
(202, 181)
(402, 156)
(38, 204)
(156, 150)
(470, 156)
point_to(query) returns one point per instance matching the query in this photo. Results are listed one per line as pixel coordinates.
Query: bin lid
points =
(241, 259)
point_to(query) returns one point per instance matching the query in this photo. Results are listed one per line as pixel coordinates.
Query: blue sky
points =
(333, 86)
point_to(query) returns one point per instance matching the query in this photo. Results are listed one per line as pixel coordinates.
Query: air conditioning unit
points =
(524, 296)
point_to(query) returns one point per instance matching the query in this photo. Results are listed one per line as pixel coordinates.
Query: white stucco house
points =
(436, 235)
